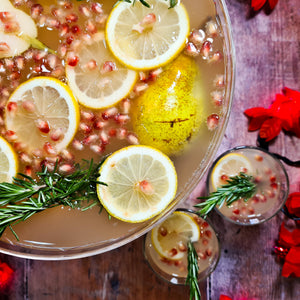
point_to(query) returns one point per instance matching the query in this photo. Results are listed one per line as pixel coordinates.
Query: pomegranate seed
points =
(191, 50)
(91, 27)
(149, 20)
(224, 177)
(36, 10)
(49, 149)
(201, 255)
(46, 164)
(121, 119)
(70, 39)
(163, 231)
(217, 56)
(122, 133)
(104, 138)
(97, 149)
(67, 155)
(58, 72)
(211, 28)
(4, 47)
(12, 106)
(270, 193)
(140, 87)
(75, 29)
(84, 10)
(66, 168)
(97, 8)
(257, 179)
(208, 252)
(77, 145)
(42, 21)
(52, 61)
(197, 219)
(57, 12)
(112, 132)
(244, 211)
(259, 158)
(212, 121)
(272, 178)
(90, 139)
(28, 105)
(142, 76)
(205, 241)
(125, 105)
(43, 126)
(178, 263)
(54, 159)
(208, 233)
(64, 29)
(173, 252)
(87, 116)
(11, 135)
(101, 20)
(236, 211)
(52, 23)
(6, 16)
(99, 125)
(132, 139)
(65, 3)
(255, 199)
(197, 37)
(182, 247)
(19, 146)
(86, 129)
(206, 49)
(153, 74)
(20, 62)
(219, 81)
(91, 65)
(28, 171)
(72, 17)
(109, 113)
(251, 210)
(108, 66)
(25, 158)
(146, 187)
(72, 60)
(37, 152)
(217, 98)
(274, 185)
(14, 76)
(56, 134)
(10, 64)
(62, 50)
(262, 198)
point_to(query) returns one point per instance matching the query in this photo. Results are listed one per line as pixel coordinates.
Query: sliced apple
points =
(6, 4)
(11, 45)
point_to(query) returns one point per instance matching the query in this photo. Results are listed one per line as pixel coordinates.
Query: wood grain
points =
(268, 58)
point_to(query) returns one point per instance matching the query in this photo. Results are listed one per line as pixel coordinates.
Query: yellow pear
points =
(169, 114)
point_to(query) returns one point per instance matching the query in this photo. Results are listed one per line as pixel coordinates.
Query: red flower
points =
(290, 240)
(293, 204)
(6, 274)
(258, 4)
(284, 113)
(224, 297)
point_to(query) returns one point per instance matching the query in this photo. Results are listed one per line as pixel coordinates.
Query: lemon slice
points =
(170, 238)
(229, 165)
(39, 103)
(141, 182)
(92, 82)
(145, 38)
(8, 161)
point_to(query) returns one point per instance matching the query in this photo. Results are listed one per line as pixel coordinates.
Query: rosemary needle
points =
(26, 196)
(193, 270)
(241, 186)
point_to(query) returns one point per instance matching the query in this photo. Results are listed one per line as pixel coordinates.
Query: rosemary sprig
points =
(145, 3)
(193, 270)
(26, 196)
(241, 186)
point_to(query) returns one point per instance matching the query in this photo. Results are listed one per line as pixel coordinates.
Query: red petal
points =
(256, 123)
(272, 3)
(270, 129)
(289, 238)
(256, 112)
(5, 275)
(293, 255)
(289, 269)
(291, 93)
(257, 4)
(224, 297)
(293, 203)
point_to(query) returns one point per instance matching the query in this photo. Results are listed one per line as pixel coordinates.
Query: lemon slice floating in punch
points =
(141, 182)
(145, 38)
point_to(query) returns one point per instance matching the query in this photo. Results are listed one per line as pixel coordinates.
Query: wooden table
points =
(268, 58)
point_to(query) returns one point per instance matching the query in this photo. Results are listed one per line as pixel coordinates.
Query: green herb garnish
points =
(193, 270)
(145, 3)
(241, 186)
(26, 196)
